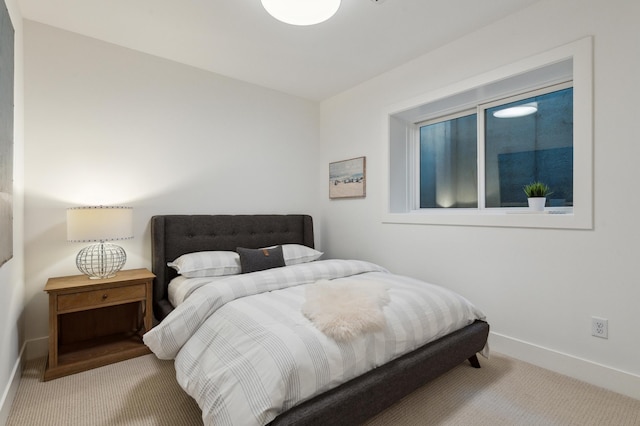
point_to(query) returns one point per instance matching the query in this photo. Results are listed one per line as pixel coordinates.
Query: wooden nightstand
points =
(97, 322)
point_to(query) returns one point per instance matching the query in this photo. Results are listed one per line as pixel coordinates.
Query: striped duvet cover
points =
(245, 352)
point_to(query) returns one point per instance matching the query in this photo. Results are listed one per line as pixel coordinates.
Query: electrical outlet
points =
(600, 327)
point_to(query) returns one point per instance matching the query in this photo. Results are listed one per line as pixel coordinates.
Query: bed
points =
(352, 402)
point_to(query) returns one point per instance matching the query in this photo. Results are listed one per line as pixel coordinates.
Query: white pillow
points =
(297, 253)
(207, 264)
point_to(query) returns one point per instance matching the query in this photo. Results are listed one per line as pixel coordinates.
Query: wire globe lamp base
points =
(102, 260)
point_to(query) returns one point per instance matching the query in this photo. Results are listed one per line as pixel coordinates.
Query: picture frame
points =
(7, 36)
(348, 178)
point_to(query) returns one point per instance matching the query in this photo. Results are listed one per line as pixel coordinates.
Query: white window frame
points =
(569, 62)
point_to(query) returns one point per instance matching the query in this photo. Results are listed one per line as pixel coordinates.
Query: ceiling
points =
(238, 39)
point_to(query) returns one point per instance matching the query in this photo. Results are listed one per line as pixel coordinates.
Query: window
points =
(454, 158)
(448, 162)
(526, 138)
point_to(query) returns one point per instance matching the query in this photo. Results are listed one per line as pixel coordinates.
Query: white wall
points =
(543, 316)
(12, 273)
(108, 125)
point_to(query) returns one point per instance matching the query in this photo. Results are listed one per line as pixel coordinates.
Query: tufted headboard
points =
(175, 235)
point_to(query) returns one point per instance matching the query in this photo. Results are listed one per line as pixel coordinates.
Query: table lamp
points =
(100, 224)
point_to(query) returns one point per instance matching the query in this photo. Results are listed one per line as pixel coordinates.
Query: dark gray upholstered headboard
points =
(175, 235)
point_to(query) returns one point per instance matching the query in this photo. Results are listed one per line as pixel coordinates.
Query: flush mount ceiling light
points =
(301, 12)
(517, 111)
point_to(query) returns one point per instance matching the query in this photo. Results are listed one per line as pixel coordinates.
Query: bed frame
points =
(354, 401)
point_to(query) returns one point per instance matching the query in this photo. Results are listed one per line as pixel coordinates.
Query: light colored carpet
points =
(505, 391)
(141, 391)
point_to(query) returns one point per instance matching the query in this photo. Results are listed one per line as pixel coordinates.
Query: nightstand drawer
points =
(97, 298)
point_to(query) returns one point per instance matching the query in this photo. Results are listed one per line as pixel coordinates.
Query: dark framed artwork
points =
(348, 178)
(6, 135)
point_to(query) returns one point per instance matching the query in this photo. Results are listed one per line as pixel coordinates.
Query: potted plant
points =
(537, 193)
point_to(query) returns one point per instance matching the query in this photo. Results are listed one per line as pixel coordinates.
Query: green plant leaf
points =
(536, 189)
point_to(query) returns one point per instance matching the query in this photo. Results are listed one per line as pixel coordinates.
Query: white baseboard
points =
(587, 371)
(31, 349)
(9, 393)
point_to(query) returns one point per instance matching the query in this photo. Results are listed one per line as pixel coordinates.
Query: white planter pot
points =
(537, 203)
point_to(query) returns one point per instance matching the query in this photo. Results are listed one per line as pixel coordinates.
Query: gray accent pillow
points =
(252, 260)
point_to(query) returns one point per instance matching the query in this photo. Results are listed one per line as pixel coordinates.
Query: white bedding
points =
(180, 287)
(247, 359)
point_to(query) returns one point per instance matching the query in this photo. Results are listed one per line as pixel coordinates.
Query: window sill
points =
(516, 218)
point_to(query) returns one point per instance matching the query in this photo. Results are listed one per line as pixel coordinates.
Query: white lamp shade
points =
(101, 223)
(301, 12)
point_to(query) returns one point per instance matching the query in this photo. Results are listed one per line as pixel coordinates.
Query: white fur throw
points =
(346, 308)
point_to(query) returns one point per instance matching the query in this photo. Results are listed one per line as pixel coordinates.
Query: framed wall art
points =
(6, 135)
(348, 178)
